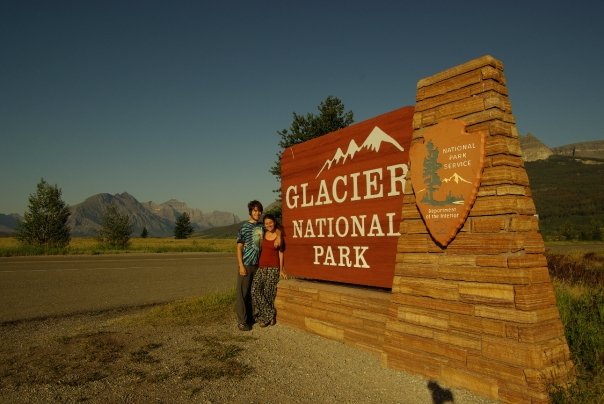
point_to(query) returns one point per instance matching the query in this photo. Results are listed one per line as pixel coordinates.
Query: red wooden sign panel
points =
(342, 197)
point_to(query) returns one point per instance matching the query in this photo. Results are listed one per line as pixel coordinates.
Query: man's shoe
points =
(244, 327)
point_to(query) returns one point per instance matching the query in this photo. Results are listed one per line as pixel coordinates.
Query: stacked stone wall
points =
(352, 315)
(480, 313)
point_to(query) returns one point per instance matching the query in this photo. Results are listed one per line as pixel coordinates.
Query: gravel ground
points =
(114, 357)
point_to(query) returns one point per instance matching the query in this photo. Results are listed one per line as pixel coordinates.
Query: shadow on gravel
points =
(439, 395)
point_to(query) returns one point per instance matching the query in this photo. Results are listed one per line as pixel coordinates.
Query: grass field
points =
(9, 246)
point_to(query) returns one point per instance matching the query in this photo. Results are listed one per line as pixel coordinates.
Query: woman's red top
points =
(269, 256)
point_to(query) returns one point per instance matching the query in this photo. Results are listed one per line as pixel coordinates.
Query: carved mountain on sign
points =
(373, 142)
(456, 178)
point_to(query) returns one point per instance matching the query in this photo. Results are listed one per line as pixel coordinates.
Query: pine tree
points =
(145, 232)
(305, 127)
(115, 229)
(45, 223)
(431, 167)
(183, 228)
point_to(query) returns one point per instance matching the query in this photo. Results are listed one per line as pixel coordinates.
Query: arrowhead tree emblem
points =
(445, 173)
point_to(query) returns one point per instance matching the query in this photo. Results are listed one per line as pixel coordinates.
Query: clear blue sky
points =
(183, 99)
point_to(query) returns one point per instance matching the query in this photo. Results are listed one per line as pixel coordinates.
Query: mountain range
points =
(158, 219)
(533, 149)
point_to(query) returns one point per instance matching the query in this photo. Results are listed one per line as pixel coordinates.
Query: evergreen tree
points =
(430, 174)
(45, 223)
(144, 233)
(183, 228)
(115, 229)
(305, 127)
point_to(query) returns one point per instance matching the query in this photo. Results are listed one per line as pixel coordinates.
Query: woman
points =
(270, 268)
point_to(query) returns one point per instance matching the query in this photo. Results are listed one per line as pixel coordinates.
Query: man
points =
(249, 240)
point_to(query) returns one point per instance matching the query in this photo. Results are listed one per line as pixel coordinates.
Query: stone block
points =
(515, 315)
(527, 261)
(510, 189)
(441, 88)
(413, 226)
(328, 297)
(408, 328)
(497, 370)
(504, 174)
(435, 289)
(498, 261)
(526, 355)
(484, 243)
(424, 318)
(522, 223)
(535, 296)
(478, 88)
(428, 303)
(396, 357)
(481, 117)
(476, 325)
(456, 260)
(431, 346)
(486, 293)
(474, 64)
(517, 276)
(467, 341)
(506, 160)
(502, 205)
(363, 337)
(502, 144)
(324, 329)
(476, 382)
(489, 224)
(412, 259)
(370, 315)
(414, 243)
(543, 331)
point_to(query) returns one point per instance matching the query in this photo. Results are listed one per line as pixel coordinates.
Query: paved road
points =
(32, 287)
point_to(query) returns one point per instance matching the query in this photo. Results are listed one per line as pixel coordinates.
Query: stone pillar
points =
(480, 313)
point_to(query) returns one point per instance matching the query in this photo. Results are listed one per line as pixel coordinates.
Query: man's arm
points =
(278, 239)
(242, 270)
(282, 272)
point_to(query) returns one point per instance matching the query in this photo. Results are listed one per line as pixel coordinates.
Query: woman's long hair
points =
(277, 226)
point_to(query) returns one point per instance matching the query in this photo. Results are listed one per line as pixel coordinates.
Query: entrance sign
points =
(342, 197)
(446, 175)
(475, 310)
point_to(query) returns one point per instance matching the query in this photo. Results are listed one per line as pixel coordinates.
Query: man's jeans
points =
(243, 304)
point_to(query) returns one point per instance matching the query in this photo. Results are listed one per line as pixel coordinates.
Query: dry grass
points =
(579, 283)
(147, 352)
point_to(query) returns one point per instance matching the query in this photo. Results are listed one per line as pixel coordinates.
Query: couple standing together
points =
(260, 247)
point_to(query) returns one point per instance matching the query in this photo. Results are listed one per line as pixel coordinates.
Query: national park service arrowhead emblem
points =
(445, 173)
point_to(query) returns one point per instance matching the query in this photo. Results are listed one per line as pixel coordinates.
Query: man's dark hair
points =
(254, 204)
